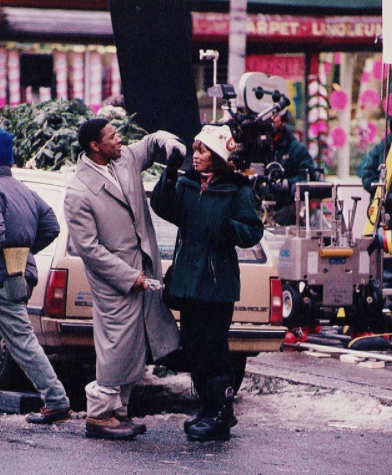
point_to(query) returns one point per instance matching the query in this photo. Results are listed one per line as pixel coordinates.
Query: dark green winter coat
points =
(210, 225)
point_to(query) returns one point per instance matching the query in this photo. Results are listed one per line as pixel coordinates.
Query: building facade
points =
(328, 55)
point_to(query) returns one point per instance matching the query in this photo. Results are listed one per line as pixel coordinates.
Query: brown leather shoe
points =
(109, 428)
(140, 428)
(49, 416)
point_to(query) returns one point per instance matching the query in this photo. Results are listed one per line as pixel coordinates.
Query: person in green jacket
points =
(213, 207)
(297, 165)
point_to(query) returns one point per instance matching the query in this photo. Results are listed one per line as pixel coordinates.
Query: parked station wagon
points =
(60, 308)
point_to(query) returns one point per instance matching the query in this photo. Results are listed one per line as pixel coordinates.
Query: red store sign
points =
(287, 66)
(278, 27)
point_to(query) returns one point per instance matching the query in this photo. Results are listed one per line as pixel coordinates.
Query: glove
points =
(173, 164)
(282, 187)
(174, 144)
(175, 153)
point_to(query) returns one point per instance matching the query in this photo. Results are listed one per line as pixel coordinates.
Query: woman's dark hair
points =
(90, 131)
(218, 164)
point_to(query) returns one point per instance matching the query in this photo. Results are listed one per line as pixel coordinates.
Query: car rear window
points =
(54, 197)
(166, 237)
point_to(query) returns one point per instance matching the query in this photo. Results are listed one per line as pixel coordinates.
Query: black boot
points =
(194, 419)
(200, 385)
(216, 422)
(202, 412)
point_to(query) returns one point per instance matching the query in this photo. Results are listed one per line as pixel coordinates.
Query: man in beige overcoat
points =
(110, 224)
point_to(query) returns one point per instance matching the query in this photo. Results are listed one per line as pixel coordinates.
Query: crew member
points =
(27, 225)
(297, 165)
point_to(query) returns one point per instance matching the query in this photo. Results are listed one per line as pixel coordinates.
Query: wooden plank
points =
(317, 354)
(351, 359)
(372, 364)
(332, 349)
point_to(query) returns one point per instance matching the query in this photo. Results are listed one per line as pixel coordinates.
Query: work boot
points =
(216, 423)
(49, 416)
(140, 428)
(108, 427)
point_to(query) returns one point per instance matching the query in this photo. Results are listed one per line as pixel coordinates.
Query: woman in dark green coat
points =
(214, 210)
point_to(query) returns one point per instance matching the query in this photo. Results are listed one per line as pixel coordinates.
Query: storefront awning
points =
(72, 26)
(357, 7)
(55, 25)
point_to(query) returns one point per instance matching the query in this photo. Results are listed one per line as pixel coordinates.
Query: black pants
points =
(204, 336)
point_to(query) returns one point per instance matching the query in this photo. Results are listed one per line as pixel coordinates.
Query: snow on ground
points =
(301, 406)
(261, 402)
(264, 401)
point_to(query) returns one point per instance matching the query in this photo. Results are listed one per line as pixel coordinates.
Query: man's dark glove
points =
(174, 162)
(174, 144)
(175, 154)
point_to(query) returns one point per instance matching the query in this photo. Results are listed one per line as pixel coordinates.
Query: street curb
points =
(20, 403)
(382, 394)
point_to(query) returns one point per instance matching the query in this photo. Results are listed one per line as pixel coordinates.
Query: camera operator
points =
(297, 165)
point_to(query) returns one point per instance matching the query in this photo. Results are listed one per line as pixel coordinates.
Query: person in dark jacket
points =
(370, 167)
(26, 221)
(297, 165)
(369, 171)
(214, 210)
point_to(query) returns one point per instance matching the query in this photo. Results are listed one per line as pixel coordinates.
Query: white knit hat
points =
(218, 139)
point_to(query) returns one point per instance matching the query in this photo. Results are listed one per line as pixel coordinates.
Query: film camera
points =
(249, 117)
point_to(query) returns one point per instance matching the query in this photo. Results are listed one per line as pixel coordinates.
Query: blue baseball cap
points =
(6, 148)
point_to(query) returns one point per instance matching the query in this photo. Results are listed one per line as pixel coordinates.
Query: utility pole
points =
(237, 41)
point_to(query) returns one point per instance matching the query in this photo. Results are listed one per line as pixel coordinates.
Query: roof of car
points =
(40, 176)
(60, 178)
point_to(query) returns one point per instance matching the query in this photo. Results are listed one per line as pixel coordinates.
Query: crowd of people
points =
(212, 206)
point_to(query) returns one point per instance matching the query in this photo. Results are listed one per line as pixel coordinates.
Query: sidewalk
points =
(330, 373)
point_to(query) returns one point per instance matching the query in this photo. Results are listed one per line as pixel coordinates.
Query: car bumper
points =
(242, 338)
(256, 339)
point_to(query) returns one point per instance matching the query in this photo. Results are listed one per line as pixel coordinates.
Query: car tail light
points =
(56, 293)
(276, 302)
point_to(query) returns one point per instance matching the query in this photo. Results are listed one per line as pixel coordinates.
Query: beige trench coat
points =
(115, 238)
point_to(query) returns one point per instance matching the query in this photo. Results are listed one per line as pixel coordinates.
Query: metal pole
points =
(214, 55)
(215, 80)
(237, 41)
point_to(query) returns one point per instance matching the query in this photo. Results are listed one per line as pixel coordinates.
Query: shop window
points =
(356, 110)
